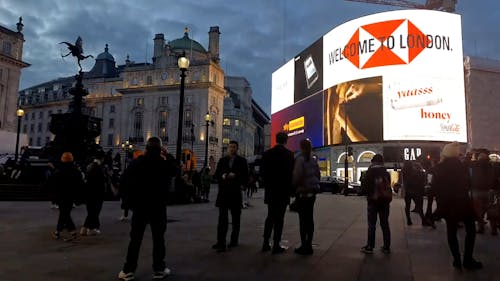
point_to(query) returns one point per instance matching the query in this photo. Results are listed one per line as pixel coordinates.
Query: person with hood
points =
(414, 179)
(145, 187)
(66, 181)
(451, 183)
(306, 177)
(375, 180)
(482, 184)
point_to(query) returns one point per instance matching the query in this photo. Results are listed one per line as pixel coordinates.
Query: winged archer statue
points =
(76, 50)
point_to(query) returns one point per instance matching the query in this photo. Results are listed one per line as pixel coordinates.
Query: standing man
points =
(145, 188)
(232, 175)
(277, 168)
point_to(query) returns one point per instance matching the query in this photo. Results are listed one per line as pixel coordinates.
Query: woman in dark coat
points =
(66, 180)
(451, 183)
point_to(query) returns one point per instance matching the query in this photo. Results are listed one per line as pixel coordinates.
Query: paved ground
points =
(28, 253)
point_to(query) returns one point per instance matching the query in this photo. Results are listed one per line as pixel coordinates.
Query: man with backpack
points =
(376, 185)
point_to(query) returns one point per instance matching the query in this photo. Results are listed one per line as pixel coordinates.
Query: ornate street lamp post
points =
(127, 147)
(183, 64)
(20, 114)
(207, 120)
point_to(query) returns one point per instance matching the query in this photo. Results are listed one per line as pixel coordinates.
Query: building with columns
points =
(11, 63)
(140, 100)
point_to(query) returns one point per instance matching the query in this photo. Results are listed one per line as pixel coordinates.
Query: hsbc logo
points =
(392, 42)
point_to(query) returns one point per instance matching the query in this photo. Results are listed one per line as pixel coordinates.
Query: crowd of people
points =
(463, 189)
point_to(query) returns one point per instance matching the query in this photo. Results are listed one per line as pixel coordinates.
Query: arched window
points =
(366, 156)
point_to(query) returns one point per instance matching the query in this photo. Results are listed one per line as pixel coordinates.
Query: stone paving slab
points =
(419, 254)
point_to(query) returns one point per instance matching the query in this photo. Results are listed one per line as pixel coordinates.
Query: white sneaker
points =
(93, 232)
(123, 218)
(161, 274)
(126, 276)
(84, 231)
(54, 206)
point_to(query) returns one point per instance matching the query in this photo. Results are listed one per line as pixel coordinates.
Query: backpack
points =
(382, 191)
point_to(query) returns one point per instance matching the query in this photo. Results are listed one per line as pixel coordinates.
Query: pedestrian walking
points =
(206, 181)
(376, 186)
(482, 184)
(276, 169)
(414, 179)
(145, 191)
(231, 174)
(451, 182)
(97, 181)
(66, 181)
(306, 177)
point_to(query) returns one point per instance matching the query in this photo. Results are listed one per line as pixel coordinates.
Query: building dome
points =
(104, 66)
(186, 43)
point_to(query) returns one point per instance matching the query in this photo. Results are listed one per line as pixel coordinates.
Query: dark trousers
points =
(470, 238)
(419, 205)
(223, 225)
(157, 219)
(275, 219)
(382, 209)
(65, 220)
(305, 209)
(94, 207)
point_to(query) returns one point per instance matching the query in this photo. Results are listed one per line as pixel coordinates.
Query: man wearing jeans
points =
(145, 186)
(376, 206)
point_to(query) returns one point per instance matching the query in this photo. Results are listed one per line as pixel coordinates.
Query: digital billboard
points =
(409, 61)
(309, 71)
(300, 122)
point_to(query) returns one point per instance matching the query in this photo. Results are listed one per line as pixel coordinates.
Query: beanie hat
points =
(378, 158)
(451, 150)
(67, 157)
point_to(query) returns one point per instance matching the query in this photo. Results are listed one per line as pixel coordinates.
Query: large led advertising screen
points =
(399, 75)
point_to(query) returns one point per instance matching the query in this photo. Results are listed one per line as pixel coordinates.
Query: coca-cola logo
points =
(450, 128)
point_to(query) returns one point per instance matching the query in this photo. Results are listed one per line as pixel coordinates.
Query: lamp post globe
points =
(19, 114)
(183, 64)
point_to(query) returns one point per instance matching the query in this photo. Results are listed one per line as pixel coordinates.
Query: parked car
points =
(330, 184)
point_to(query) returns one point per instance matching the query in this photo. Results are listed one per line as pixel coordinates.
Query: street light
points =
(346, 139)
(126, 146)
(207, 120)
(20, 114)
(183, 64)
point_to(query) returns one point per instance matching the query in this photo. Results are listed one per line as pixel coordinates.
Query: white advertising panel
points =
(283, 87)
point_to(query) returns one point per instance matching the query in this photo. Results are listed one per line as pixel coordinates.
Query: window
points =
(227, 122)
(112, 108)
(39, 127)
(26, 117)
(149, 80)
(110, 139)
(40, 115)
(138, 126)
(7, 48)
(111, 123)
(33, 116)
(163, 100)
(38, 141)
(47, 140)
(162, 125)
(32, 128)
(30, 142)
(188, 118)
(25, 129)
(48, 127)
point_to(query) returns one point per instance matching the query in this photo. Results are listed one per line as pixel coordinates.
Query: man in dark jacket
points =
(232, 175)
(277, 168)
(145, 186)
(451, 183)
(379, 206)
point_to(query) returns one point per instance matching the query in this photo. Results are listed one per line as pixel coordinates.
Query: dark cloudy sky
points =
(257, 36)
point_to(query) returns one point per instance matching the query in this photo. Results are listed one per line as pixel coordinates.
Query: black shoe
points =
(304, 251)
(266, 247)
(472, 264)
(219, 247)
(232, 244)
(457, 265)
(278, 249)
(409, 222)
(386, 250)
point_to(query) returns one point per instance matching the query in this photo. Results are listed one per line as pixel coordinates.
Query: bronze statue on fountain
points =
(75, 130)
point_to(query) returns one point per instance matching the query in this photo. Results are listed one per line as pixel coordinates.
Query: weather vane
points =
(76, 50)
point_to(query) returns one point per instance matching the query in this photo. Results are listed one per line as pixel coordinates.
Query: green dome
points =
(185, 43)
